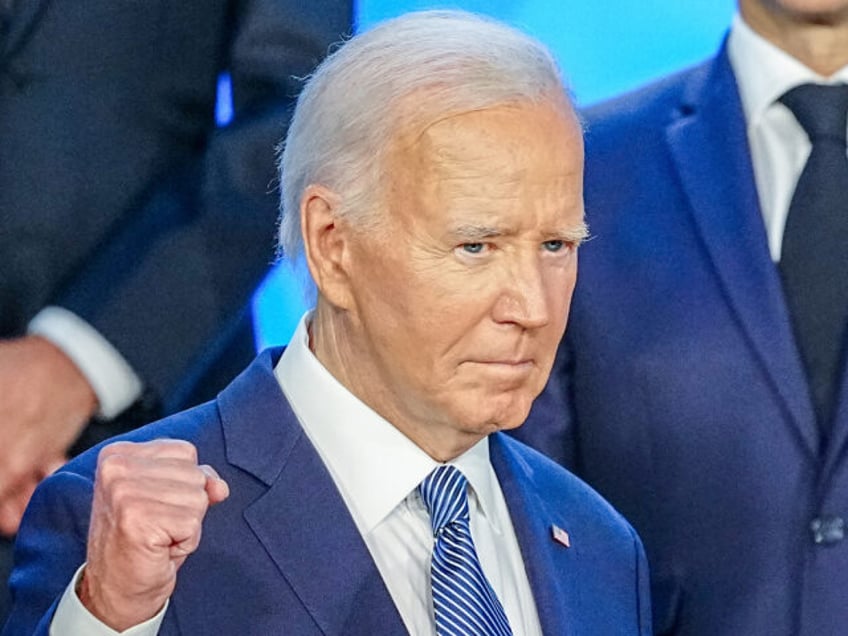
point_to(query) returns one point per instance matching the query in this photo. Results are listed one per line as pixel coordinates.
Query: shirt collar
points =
(373, 464)
(764, 72)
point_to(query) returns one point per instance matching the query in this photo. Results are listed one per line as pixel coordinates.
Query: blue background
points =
(603, 46)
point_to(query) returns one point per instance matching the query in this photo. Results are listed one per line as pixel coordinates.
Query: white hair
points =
(438, 63)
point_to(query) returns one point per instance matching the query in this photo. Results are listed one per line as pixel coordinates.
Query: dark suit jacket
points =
(119, 198)
(282, 555)
(679, 393)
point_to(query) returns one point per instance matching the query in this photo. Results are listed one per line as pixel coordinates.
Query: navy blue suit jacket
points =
(120, 198)
(678, 391)
(282, 555)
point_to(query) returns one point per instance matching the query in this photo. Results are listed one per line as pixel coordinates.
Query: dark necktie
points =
(814, 256)
(464, 602)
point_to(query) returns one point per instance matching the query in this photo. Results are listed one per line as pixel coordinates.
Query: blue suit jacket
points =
(678, 392)
(282, 555)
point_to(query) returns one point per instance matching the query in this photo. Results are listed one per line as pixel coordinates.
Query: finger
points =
(15, 473)
(154, 526)
(169, 485)
(216, 488)
(156, 449)
(8, 523)
(50, 466)
(15, 507)
(11, 512)
(185, 547)
(22, 497)
(128, 469)
(8, 486)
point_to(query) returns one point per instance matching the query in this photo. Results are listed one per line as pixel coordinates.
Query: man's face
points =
(832, 12)
(461, 300)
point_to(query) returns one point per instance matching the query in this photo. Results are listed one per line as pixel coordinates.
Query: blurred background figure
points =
(700, 386)
(133, 227)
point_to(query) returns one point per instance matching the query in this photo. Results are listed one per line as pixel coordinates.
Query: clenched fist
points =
(146, 518)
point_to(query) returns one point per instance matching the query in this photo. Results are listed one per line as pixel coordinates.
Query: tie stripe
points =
(464, 602)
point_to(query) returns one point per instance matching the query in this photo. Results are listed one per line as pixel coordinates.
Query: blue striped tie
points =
(464, 602)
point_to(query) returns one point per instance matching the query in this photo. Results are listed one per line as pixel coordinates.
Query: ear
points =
(325, 240)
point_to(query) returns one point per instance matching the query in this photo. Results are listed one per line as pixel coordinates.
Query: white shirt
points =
(779, 145)
(111, 377)
(377, 471)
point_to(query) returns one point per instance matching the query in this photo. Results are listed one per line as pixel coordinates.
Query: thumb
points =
(216, 488)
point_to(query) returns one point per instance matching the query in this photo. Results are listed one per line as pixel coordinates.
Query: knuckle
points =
(197, 503)
(122, 495)
(115, 448)
(198, 480)
(111, 467)
(177, 448)
(195, 525)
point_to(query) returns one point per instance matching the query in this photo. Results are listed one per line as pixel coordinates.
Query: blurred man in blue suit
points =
(700, 386)
(432, 177)
(131, 225)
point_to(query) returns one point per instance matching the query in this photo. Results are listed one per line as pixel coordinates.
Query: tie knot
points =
(820, 109)
(445, 494)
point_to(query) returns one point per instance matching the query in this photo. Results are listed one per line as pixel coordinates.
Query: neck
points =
(817, 40)
(333, 339)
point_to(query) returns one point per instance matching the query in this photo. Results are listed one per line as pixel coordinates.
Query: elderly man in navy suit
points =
(701, 384)
(358, 482)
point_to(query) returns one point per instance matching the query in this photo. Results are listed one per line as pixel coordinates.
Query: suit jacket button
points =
(827, 529)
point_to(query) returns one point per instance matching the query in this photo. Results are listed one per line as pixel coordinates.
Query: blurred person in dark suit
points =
(132, 229)
(701, 383)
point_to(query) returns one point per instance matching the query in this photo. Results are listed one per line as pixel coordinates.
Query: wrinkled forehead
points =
(420, 136)
(515, 162)
(418, 111)
(464, 135)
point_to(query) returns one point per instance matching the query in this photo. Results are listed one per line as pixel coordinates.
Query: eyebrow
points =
(575, 234)
(473, 233)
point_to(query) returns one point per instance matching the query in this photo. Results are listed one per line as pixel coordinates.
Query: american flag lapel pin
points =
(560, 536)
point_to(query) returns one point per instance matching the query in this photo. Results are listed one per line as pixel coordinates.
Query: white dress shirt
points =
(779, 145)
(377, 471)
(73, 619)
(111, 377)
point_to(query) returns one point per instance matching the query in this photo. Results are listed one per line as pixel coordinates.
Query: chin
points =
(510, 415)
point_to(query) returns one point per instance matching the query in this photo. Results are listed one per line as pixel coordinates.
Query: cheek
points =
(560, 288)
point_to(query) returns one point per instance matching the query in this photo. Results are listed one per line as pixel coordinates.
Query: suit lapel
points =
(306, 529)
(532, 521)
(302, 521)
(26, 15)
(709, 145)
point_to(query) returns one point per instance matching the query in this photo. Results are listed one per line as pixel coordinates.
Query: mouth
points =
(506, 365)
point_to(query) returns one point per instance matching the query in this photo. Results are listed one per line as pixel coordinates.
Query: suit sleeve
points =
(171, 284)
(50, 547)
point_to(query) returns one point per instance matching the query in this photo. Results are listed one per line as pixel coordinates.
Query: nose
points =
(523, 298)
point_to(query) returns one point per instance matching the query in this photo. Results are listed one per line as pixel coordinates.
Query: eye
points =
(472, 248)
(553, 246)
